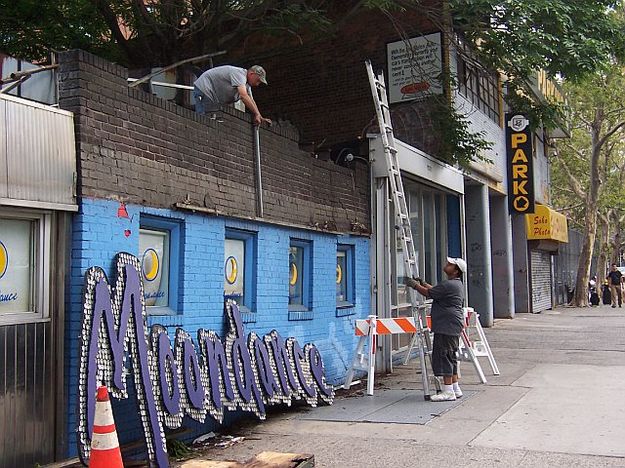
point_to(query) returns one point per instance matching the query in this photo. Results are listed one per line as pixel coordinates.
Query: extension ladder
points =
(422, 336)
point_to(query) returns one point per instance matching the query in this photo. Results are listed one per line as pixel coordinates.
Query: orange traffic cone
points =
(105, 451)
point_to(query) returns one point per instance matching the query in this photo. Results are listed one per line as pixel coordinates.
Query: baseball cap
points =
(460, 263)
(260, 71)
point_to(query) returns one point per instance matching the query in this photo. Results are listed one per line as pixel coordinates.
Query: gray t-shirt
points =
(447, 315)
(219, 85)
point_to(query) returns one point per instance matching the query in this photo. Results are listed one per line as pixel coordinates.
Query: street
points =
(556, 403)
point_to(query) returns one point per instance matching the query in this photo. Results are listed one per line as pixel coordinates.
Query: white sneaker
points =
(458, 393)
(444, 396)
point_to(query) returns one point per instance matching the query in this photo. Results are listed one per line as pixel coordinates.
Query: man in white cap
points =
(447, 324)
(227, 84)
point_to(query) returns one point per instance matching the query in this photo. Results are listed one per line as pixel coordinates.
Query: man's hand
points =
(259, 119)
(412, 282)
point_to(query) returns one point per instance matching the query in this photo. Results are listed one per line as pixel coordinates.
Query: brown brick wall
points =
(142, 149)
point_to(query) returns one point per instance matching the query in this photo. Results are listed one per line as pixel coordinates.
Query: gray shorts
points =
(444, 358)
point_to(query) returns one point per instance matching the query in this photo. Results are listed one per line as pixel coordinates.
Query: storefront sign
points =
(414, 68)
(546, 223)
(200, 378)
(520, 164)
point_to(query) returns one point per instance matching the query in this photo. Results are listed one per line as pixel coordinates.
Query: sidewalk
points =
(557, 403)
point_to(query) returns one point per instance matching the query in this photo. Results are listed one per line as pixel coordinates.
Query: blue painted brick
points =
(98, 234)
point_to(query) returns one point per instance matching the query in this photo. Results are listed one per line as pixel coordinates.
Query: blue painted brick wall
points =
(98, 234)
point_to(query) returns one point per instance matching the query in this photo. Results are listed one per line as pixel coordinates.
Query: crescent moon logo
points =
(4, 259)
(150, 264)
(339, 274)
(231, 270)
(294, 274)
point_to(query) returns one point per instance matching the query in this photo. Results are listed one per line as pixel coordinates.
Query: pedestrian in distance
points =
(593, 295)
(447, 324)
(226, 84)
(614, 279)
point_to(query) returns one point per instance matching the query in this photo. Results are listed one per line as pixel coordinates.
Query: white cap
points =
(460, 263)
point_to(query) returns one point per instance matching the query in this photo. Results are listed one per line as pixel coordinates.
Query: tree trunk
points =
(580, 299)
(603, 255)
(616, 245)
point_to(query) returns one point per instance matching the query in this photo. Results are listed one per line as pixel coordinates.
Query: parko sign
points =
(199, 378)
(520, 164)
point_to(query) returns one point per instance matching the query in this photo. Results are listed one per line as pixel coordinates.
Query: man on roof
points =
(226, 84)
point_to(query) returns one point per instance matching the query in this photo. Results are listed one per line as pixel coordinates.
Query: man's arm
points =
(251, 105)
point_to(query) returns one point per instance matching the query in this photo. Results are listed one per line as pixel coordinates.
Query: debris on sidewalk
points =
(204, 438)
(262, 460)
(229, 441)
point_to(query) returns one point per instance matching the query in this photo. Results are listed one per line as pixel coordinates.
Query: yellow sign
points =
(546, 223)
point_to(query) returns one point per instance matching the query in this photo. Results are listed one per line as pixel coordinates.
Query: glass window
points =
(341, 276)
(296, 275)
(154, 248)
(234, 270)
(18, 265)
(480, 87)
(345, 296)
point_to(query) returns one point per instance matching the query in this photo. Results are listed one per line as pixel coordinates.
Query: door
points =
(28, 388)
(541, 280)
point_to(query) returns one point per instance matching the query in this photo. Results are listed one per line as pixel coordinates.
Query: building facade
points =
(179, 192)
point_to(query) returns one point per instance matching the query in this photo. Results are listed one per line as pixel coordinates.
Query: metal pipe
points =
(164, 84)
(22, 73)
(259, 178)
(14, 85)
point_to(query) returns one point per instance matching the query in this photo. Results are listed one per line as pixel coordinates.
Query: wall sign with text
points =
(520, 164)
(199, 378)
(414, 68)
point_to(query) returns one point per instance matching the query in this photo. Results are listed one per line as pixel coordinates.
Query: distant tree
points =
(589, 170)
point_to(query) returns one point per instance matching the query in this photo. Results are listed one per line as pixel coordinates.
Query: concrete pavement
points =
(557, 403)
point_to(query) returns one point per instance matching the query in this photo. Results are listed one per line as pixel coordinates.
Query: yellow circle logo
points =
(231, 270)
(150, 264)
(294, 274)
(4, 259)
(339, 274)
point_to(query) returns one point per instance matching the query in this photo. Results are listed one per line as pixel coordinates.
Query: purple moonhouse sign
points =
(198, 379)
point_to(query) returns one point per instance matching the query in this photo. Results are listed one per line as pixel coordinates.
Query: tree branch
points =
(576, 186)
(610, 132)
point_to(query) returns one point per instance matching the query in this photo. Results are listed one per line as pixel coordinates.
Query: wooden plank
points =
(262, 460)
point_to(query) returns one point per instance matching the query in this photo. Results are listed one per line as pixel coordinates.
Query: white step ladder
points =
(422, 336)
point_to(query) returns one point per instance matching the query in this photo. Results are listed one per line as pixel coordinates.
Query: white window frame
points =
(41, 278)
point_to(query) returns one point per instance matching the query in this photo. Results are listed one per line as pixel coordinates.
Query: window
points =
(480, 87)
(345, 297)
(299, 278)
(239, 274)
(159, 243)
(24, 266)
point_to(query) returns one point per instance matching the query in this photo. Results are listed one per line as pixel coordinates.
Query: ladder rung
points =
(388, 127)
(379, 84)
(390, 148)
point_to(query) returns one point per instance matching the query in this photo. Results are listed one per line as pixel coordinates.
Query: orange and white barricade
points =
(368, 331)
(105, 452)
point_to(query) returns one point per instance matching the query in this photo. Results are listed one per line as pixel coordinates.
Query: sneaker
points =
(458, 393)
(444, 396)
(614, 306)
